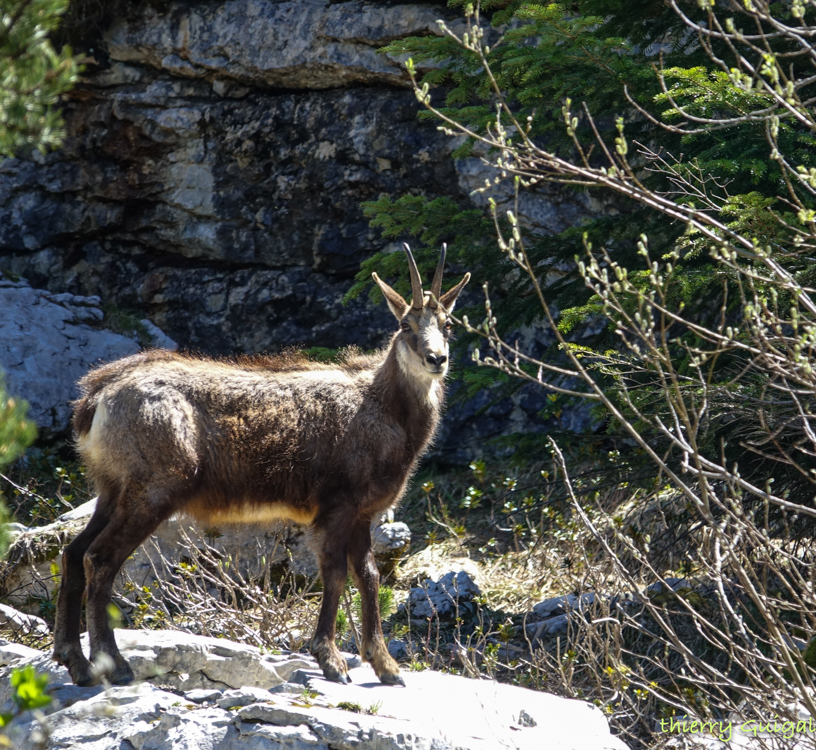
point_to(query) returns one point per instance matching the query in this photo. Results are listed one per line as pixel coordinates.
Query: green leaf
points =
(28, 688)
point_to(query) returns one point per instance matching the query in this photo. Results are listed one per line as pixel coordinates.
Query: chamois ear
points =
(448, 299)
(396, 304)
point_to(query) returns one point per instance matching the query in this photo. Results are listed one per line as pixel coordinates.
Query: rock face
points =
(46, 344)
(247, 699)
(20, 623)
(211, 181)
(390, 541)
(195, 185)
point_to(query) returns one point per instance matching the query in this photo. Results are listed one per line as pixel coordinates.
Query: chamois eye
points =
(448, 325)
(405, 327)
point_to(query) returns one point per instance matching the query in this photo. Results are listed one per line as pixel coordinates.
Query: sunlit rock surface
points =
(243, 698)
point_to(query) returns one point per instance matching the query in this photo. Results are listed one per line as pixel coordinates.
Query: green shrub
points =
(33, 75)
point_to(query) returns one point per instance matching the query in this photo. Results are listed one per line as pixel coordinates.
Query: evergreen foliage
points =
(591, 51)
(632, 65)
(16, 432)
(33, 75)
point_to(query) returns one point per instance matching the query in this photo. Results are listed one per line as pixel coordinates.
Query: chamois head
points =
(422, 343)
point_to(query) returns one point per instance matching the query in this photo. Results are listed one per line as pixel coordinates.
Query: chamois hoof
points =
(388, 678)
(77, 665)
(82, 675)
(113, 670)
(122, 675)
(332, 664)
(335, 675)
(384, 666)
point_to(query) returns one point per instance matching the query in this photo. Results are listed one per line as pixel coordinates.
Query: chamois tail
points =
(84, 410)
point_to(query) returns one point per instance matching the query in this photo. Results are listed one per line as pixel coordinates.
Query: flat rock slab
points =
(174, 660)
(474, 713)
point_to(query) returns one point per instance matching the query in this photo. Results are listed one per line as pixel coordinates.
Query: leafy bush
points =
(28, 693)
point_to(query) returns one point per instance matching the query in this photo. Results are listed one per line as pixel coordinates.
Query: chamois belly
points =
(243, 512)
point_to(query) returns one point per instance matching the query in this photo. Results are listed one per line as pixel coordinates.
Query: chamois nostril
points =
(436, 361)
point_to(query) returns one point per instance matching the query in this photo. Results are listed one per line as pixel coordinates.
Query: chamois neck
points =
(413, 398)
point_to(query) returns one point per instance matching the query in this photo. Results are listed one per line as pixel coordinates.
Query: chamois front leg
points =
(367, 578)
(333, 571)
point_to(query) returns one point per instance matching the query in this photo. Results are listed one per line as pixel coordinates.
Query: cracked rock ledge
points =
(213, 694)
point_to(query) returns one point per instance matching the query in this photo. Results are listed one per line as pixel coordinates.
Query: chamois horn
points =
(436, 284)
(416, 282)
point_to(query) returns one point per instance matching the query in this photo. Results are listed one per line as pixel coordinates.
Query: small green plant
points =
(323, 354)
(146, 615)
(307, 697)
(124, 322)
(385, 600)
(506, 631)
(16, 434)
(341, 623)
(29, 688)
(28, 693)
(357, 708)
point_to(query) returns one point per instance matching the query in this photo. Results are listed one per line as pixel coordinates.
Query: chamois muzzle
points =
(436, 362)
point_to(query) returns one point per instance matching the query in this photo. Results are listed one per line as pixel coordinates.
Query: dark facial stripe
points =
(411, 339)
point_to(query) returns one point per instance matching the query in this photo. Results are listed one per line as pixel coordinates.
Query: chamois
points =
(250, 440)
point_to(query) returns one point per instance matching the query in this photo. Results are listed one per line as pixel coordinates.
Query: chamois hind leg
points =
(67, 650)
(127, 529)
(333, 571)
(367, 579)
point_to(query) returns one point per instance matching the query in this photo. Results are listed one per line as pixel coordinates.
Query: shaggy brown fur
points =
(253, 439)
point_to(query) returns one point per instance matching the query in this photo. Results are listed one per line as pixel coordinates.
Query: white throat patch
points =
(428, 387)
